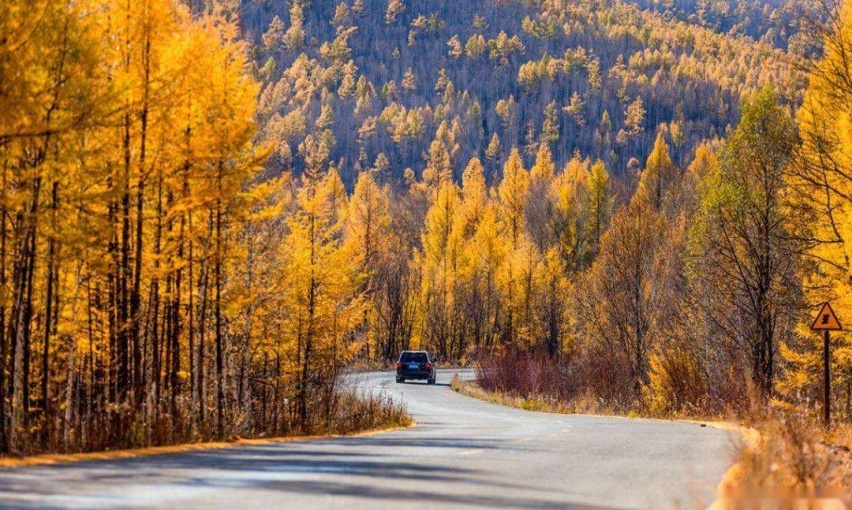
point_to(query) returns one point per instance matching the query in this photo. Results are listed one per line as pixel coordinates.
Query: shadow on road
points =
(403, 495)
(295, 468)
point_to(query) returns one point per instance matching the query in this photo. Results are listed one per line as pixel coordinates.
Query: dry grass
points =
(472, 389)
(534, 380)
(354, 413)
(551, 405)
(359, 410)
(49, 459)
(792, 462)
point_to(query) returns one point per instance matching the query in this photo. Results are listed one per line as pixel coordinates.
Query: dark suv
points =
(415, 365)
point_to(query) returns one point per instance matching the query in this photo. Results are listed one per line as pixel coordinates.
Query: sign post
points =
(826, 321)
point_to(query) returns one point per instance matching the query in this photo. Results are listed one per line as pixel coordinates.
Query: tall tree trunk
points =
(124, 274)
(190, 332)
(49, 315)
(112, 298)
(203, 283)
(175, 327)
(136, 294)
(220, 354)
(309, 335)
(244, 393)
(4, 348)
(21, 316)
(154, 307)
(90, 395)
(71, 371)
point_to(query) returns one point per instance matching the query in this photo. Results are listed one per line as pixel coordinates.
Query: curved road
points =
(463, 453)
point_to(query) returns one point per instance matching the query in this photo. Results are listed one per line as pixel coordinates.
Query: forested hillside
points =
(781, 23)
(378, 82)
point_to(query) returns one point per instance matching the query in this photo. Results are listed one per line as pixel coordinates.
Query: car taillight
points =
(428, 366)
(398, 365)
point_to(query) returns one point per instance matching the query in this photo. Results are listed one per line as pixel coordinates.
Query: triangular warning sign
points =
(826, 320)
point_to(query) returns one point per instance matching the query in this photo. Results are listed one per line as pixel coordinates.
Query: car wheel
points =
(431, 380)
(400, 380)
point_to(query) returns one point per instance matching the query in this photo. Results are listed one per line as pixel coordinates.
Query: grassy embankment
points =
(355, 413)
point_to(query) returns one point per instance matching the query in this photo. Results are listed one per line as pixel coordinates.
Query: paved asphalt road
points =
(463, 453)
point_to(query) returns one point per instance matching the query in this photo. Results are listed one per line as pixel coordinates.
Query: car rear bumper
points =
(412, 374)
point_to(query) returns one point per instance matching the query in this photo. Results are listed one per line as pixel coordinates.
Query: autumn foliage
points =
(208, 212)
(157, 287)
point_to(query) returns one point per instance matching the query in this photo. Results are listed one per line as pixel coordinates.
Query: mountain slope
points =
(374, 80)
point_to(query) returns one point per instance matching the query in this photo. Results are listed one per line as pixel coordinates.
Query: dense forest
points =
(382, 81)
(210, 210)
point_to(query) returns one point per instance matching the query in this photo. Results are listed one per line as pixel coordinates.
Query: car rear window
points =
(413, 357)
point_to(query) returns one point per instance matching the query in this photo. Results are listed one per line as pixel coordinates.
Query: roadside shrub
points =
(676, 385)
(605, 381)
(792, 455)
(356, 410)
(520, 373)
(544, 382)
